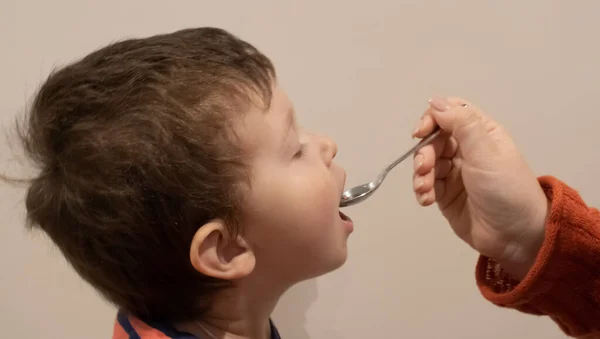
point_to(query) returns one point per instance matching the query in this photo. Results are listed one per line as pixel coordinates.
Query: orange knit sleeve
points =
(564, 282)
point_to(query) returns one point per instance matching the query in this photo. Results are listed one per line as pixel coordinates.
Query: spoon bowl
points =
(360, 193)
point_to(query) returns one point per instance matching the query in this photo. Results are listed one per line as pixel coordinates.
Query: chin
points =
(336, 261)
(343, 259)
(327, 265)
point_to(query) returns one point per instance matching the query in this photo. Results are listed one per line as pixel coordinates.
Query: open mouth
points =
(344, 217)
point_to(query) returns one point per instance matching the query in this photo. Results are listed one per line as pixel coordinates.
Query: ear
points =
(215, 254)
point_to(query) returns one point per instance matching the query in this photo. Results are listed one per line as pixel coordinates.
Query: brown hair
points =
(135, 152)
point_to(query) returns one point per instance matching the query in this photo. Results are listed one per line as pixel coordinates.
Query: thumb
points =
(464, 121)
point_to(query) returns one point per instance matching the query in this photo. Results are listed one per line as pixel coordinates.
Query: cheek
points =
(311, 198)
(298, 210)
(294, 229)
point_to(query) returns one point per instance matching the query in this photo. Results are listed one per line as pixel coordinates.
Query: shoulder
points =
(129, 327)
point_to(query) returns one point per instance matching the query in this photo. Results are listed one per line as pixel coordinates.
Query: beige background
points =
(360, 71)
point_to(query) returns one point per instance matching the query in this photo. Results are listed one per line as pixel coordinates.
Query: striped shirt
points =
(128, 327)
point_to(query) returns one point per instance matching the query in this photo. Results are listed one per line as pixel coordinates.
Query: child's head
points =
(172, 167)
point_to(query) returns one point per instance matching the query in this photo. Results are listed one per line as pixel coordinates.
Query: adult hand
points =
(481, 183)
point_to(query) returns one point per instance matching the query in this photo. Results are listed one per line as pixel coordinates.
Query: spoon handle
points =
(424, 142)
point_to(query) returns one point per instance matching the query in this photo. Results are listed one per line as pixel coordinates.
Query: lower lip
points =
(347, 222)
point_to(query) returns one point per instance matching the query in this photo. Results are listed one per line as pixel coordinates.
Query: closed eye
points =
(300, 151)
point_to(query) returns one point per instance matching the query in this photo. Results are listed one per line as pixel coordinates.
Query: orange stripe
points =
(145, 331)
(119, 332)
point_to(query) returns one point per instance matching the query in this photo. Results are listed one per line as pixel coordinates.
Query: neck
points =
(241, 312)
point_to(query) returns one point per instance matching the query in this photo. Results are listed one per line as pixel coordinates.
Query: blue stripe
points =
(170, 331)
(124, 322)
(274, 332)
(173, 333)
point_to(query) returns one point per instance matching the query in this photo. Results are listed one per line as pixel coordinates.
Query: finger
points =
(443, 166)
(431, 196)
(427, 198)
(453, 185)
(465, 123)
(437, 194)
(426, 157)
(440, 189)
(451, 148)
(423, 182)
(425, 125)
(456, 101)
(428, 123)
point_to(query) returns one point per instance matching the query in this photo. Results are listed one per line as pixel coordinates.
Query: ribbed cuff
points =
(562, 282)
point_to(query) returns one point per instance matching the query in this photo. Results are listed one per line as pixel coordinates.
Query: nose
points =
(328, 149)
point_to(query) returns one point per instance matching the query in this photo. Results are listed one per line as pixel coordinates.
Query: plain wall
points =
(361, 72)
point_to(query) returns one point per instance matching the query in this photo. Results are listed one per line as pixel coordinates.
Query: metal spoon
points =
(358, 194)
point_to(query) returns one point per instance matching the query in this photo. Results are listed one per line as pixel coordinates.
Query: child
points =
(173, 177)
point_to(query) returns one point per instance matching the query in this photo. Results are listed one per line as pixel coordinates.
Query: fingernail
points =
(418, 161)
(423, 198)
(418, 127)
(438, 104)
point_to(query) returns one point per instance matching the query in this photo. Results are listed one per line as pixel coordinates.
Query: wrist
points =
(521, 262)
(527, 247)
